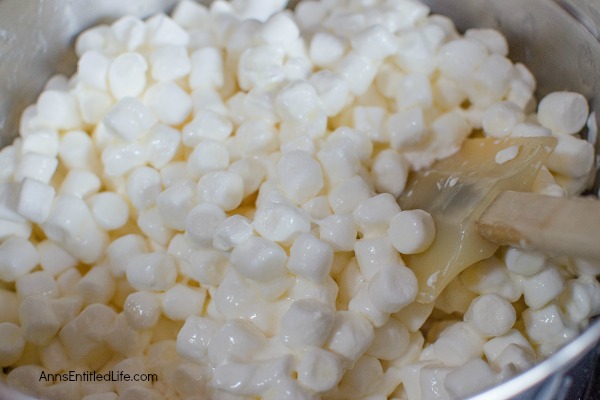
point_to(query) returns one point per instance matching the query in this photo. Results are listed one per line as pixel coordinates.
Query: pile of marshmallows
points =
(211, 198)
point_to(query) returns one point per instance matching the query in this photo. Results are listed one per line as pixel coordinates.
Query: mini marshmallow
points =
(412, 231)
(127, 33)
(351, 335)
(317, 208)
(259, 259)
(310, 258)
(414, 90)
(372, 216)
(35, 200)
(123, 248)
(143, 186)
(182, 301)
(80, 183)
(300, 176)
(224, 188)
(38, 320)
(363, 379)
(109, 209)
(18, 257)
(93, 105)
(580, 299)
(491, 81)
(406, 128)
(97, 286)
(92, 69)
(168, 102)
(338, 163)
(524, 262)
(459, 58)
(255, 136)
(175, 202)
(494, 347)
(490, 38)
(546, 325)
(571, 157)
(207, 68)
(207, 266)
(142, 310)
(325, 49)
(303, 314)
(281, 222)
(375, 43)
(414, 315)
(67, 280)
(563, 112)
(515, 358)
(206, 124)
(333, 91)
(470, 378)
(390, 172)
(260, 66)
(490, 276)
(12, 343)
(208, 155)
(319, 370)
(151, 271)
(36, 166)
(542, 287)
(237, 340)
(129, 119)
(390, 341)
(77, 150)
(280, 29)
(362, 304)
(339, 231)
(53, 258)
(373, 254)
(44, 142)
(169, 63)
(231, 231)
(458, 344)
(371, 120)
(127, 75)
(298, 103)
(163, 31)
(39, 283)
(358, 72)
(202, 221)
(500, 119)
(58, 110)
(491, 315)
(393, 287)
(162, 143)
(346, 196)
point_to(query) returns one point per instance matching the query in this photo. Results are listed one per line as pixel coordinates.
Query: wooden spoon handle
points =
(556, 226)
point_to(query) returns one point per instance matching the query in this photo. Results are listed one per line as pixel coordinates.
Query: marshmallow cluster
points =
(212, 198)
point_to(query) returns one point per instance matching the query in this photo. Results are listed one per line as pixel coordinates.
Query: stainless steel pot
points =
(558, 40)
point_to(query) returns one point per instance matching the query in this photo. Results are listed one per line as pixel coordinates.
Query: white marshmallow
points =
(339, 231)
(202, 221)
(207, 68)
(123, 248)
(491, 81)
(162, 145)
(280, 29)
(580, 299)
(406, 128)
(92, 69)
(58, 110)
(338, 162)
(80, 183)
(35, 200)
(36, 283)
(67, 280)
(127, 75)
(18, 257)
(300, 176)
(358, 72)
(317, 208)
(207, 266)
(490, 38)
(259, 259)
(546, 325)
(53, 258)
(12, 343)
(109, 209)
(326, 49)
(491, 315)
(459, 58)
(412, 231)
(129, 119)
(390, 172)
(571, 157)
(38, 320)
(375, 43)
(93, 105)
(393, 287)
(151, 271)
(235, 340)
(310, 258)
(36, 166)
(348, 195)
(261, 66)
(362, 304)
(363, 379)
(163, 31)
(255, 136)
(77, 150)
(208, 155)
(143, 186)
(458, 344)
(142, 310)
(206, 124)
(308, 322)
(126, 34)
(390, 342)
(469, 379)
(45, 141)
(168, 102)
(189, 14)
(97, 286)
(169, 63)
(351, 335)
(175, 202)
(281, 222)
(209, 99)
(224, 188)
(371, 120)
(372, 216)
(563, 112)
(490, 276)
(500, 119)
(414, 90)
(494, 347)
(231, 231)
(524, 262)
(373, 254)
(333, 91)
(298, 103)
(319, 370)
(542, 287)
(414, 315)
(182, 301)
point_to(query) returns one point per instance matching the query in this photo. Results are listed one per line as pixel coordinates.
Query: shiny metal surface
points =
(558, 40)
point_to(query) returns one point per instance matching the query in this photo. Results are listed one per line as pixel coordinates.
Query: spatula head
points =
(455, 191)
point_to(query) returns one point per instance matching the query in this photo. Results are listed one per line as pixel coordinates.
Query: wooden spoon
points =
(477, 199)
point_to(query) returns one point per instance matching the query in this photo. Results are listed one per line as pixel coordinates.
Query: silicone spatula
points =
(477, 199)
